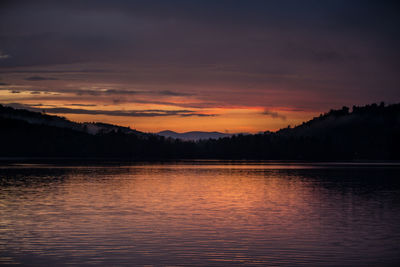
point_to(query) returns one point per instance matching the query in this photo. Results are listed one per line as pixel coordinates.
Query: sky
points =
(228, 66)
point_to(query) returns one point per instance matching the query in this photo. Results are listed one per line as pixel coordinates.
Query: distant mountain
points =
(194, 135)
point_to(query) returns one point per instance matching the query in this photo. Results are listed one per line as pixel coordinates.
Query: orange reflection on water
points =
(179, 213)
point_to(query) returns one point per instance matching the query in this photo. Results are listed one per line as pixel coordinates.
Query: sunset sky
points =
(228, 66)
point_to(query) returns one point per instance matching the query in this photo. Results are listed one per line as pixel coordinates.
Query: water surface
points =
(200, 213)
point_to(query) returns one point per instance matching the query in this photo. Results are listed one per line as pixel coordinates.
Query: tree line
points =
(370, 132)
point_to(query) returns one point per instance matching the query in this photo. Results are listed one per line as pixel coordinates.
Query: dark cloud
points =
(190, 31)
(3, 55)
(119, 113)
(128, 113)
(93, 92)
(329, 56)
(230, 52)
(35, 93)
(40, 78)
(274, 114)
(83, 105)
(15, 91)
(1, 83)
(171, 93)
(55, 71)
(101, 92)
(97, 92)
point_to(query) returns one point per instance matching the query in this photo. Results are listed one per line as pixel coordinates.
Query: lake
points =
(200, 213)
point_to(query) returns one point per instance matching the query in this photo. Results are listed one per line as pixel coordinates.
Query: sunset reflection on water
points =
(207, 214)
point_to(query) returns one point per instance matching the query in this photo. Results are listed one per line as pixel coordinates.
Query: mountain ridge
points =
(193, 135)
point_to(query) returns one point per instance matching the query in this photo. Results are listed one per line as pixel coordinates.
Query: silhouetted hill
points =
(342, 121)
(33, 134)
(371, 132)
(33, 117)
(194, 135)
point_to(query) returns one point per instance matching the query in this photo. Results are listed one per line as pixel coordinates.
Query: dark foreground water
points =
(200, 213)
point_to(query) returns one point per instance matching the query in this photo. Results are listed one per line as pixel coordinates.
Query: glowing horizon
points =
(185, 66)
